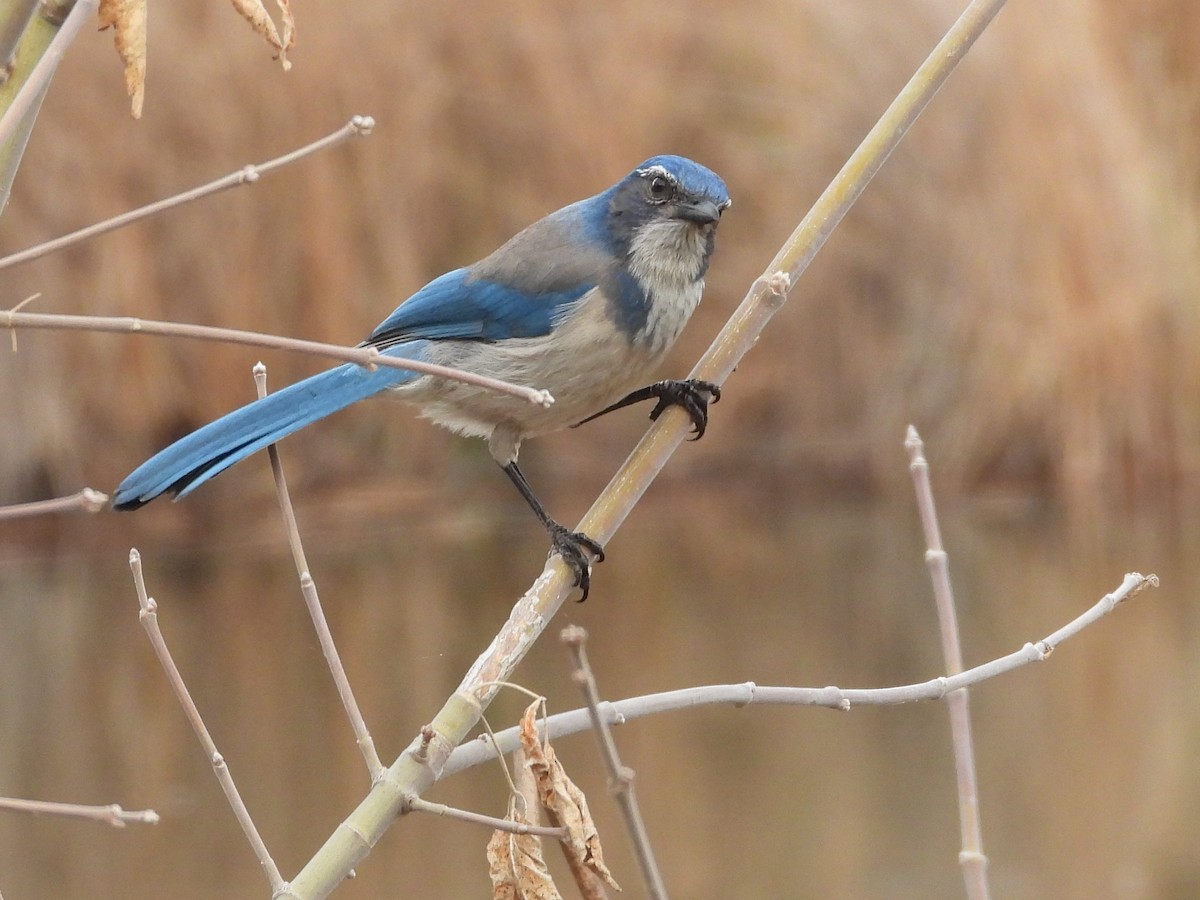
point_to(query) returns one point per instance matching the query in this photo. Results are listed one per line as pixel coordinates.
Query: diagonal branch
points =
(14, 17)
(620, 776)
(421, 764)
(363, 356)
(41, 48)
(312, 602)
(619, 712)
(148, 616)
(358, 126)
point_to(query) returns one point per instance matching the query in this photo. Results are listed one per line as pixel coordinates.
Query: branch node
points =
(779, 283)
(1144, 581)
(835, 698)
(249, 174)
(421, 751)
(573, 635)
(913, 443)
(23, 304)
(92, 499)
(750, 687)
(362, 125)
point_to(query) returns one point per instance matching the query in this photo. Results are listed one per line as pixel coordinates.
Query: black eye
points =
(660, 188)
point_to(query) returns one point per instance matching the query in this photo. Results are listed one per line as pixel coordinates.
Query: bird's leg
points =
(691, 394)
(568, 544)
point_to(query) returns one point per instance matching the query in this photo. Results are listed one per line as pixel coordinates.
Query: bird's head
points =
(663, 216)
(669, 188)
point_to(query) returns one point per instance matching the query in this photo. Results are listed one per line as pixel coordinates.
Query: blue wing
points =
(522, 290)
(462, 306)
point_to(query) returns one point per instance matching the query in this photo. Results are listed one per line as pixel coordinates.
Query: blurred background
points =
(1020, 282)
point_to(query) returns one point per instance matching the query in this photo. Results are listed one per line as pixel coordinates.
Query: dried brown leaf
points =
(564, 801)
(517, 868)
(256, 14)
(127, 18)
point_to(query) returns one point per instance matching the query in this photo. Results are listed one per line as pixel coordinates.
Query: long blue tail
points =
(192, 460)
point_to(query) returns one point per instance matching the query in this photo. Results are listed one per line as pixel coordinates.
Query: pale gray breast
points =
(586, 364)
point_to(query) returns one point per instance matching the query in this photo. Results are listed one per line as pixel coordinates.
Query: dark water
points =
(1086, 762)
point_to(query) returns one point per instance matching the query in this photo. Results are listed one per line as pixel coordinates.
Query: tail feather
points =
(208, 451)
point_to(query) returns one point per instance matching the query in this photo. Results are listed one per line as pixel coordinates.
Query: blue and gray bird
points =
(584, 303)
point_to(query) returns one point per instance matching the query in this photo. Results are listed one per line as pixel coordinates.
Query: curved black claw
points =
(570, 546)
(691, 395)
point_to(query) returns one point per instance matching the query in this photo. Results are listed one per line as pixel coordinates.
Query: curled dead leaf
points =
(517, 868)
(256, 14)
(563, 799)
(127, 18)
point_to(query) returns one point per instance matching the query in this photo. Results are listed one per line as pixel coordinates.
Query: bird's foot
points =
(570, 545)
(692, 394)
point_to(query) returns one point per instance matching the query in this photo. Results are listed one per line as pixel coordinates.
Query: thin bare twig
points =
(971, 857)
(112, 814)
(485, 748)
(419, 804)
(620, 777)
(358, 126)
(422, 762)
(312, 601)
(363, 356)
(149, 619)
(13, 334)
(87, 500)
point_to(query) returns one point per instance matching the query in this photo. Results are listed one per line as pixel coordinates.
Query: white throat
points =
(667, 254)
(667, 259)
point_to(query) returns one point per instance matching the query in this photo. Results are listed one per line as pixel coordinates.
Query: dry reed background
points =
(1020, 281)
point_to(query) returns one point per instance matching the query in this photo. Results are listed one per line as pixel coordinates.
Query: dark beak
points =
(702, 212)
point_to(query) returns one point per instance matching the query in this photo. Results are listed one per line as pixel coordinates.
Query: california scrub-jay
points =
(584, 303)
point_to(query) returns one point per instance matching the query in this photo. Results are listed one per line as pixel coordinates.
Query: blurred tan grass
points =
(1020, 281)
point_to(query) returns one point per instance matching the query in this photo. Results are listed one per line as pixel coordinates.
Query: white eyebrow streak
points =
(658, 170)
